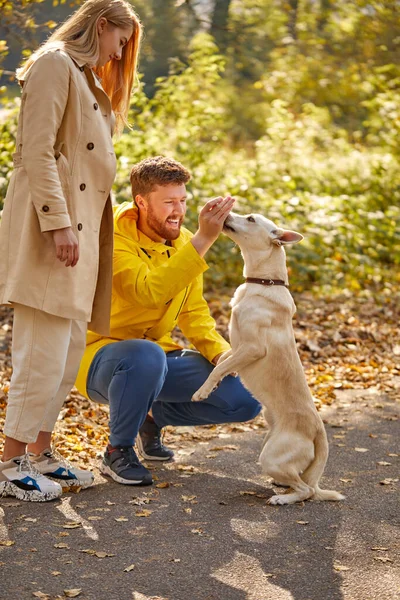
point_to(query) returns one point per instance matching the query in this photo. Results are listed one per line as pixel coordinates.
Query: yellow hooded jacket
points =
(155, 287)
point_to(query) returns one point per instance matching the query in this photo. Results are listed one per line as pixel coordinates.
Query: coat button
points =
(82, 187)
(90, 146)
(80, 226)
(95, 106)
(45, 208)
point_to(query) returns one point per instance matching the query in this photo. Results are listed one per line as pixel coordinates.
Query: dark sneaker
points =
(123, 466)
(19, 478)
(149, 442)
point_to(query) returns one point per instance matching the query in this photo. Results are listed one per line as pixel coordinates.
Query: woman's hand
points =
(211, 221)
(67, 246)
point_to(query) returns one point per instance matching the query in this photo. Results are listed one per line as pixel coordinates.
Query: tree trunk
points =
(220, 22)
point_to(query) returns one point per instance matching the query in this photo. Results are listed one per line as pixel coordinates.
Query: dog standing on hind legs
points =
(264, 354)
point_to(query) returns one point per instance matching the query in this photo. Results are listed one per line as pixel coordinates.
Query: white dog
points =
(264, 354)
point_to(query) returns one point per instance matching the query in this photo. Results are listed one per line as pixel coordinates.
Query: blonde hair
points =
(78, 37)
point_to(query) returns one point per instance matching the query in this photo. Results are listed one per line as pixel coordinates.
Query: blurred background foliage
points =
(292, 106)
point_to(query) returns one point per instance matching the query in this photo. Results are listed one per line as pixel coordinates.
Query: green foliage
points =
(293, 108)
(304, 172)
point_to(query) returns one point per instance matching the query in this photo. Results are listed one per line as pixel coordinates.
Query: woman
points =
(56, 232)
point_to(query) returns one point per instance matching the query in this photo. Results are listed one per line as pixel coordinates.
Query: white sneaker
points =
(19, 478)
(54, 466)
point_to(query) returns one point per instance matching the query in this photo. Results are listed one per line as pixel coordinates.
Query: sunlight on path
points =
(245, 573)
(66, 509)
(3, 528)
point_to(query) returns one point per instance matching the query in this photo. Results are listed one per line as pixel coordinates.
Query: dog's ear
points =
(285, 236)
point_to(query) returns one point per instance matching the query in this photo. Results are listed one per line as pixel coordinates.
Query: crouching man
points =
(147, 378)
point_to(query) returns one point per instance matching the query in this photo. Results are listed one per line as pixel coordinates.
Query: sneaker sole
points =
(143, 454)
(10, 489)
(105, 470)
(67, 484)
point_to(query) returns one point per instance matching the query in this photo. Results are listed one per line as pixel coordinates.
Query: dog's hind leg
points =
(314, 471)
(301, 491)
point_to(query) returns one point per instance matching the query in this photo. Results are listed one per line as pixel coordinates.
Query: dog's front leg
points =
(245, 355)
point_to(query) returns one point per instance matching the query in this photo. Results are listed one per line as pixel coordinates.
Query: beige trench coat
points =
(64, 167)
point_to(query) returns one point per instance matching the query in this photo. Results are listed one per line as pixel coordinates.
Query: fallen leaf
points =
(128, 569)
(95, 518)
(110, 503)
(30, 519)
(7, 543)
(222, 448)
(143, 513)
(303, 522)
(120, 519)
(55, 573)
(73, 593)
(346, 480)
(188, 510)
(380, 548)
(361, 449)
(98, 553)
(383, 558)
(341, 568)
(388, 481)
(175, 560)
(41, 595)
(383, 463)
(247, 493)
(61, 546)
(197, 531)
(188, 498)
(162, 485)
(72, 525)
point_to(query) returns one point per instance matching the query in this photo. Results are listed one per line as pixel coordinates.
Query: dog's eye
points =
(251, 219)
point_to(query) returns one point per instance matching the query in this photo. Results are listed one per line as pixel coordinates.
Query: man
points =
(146, 377)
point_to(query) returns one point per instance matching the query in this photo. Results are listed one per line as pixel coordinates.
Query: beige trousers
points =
(46, 353)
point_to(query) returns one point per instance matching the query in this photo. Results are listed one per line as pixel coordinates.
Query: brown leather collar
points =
(268, 282)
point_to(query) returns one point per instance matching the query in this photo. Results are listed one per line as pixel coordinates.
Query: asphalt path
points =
(207, 533)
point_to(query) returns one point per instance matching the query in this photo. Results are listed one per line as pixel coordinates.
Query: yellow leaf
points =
(380, 548)
(388, 481)
(341, 568)
(73, 593)
(303, 522)
(128, 569)
(361, 449)
(383, 558)
(188, 498)
(7, 543)
(120, 519)
(72, 525)
(61, 546)
(162, 485)
(144, 513)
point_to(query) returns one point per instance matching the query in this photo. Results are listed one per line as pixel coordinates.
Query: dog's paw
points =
(201, 394)
(279, 500)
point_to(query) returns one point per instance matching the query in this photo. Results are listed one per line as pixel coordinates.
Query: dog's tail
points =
(327, 495)
(314, 472)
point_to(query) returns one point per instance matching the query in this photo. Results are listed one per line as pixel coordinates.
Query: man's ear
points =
(140, 201)
(285, 236)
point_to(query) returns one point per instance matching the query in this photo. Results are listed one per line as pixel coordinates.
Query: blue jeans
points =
(133, 376)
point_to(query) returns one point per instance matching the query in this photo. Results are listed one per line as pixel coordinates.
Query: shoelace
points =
(60, 459)
(26, 466)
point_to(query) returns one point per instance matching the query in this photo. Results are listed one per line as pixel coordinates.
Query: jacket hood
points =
(125, 225)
